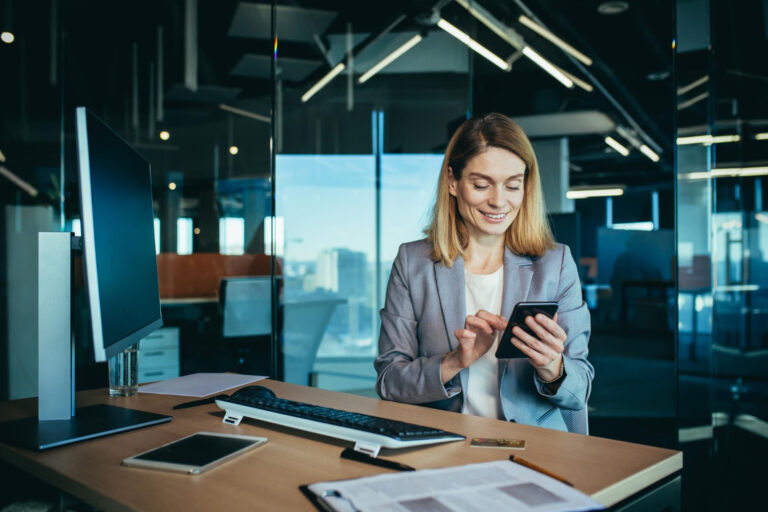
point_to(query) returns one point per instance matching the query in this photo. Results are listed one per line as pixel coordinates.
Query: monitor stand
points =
(58, 422)
(87, 423)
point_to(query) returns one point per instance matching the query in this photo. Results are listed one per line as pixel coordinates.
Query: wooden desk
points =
(268, 477)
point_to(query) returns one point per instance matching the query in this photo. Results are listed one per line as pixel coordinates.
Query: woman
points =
(488, 247)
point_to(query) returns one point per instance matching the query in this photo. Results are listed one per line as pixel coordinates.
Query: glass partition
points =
(169, 78)
(721, 249)
(32, 192)
(359, 147)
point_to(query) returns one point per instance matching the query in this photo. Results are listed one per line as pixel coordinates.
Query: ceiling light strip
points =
(617, 146)
(576, 80)
(23, 185)
(517, 41)
(692, 101)
(594, 192)
(544, 32)
(644, 149)
(692, 85)
(707, 140)
(490, 21)
(338, 68)
(649, 153)
(547, 66)
(628, 136)
(386, 61)
(244, 113)
(740, 171)
(474, 45)
(719, 139)
(761, 136)
(727, 172)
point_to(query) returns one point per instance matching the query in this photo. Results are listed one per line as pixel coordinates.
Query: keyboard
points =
(369, 433)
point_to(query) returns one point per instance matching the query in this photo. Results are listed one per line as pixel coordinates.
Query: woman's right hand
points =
(475, 339)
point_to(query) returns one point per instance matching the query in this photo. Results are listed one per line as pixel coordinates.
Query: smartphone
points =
(196, 453)
(506, 349)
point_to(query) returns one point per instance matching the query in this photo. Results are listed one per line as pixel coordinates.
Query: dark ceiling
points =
(632, 71)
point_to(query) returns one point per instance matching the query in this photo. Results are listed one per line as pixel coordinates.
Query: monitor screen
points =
(118, 237)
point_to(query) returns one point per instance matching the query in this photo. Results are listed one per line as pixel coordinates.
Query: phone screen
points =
(506, 349)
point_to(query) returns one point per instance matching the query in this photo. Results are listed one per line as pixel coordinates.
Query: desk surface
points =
(268, 477)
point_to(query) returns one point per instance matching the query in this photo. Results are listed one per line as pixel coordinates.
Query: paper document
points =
(500, 485)
(199, 384)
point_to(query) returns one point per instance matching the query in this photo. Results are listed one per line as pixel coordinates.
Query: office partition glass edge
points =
(721, 383)
(274, 351)
(378, 149)
(689, 209)
(676, 228)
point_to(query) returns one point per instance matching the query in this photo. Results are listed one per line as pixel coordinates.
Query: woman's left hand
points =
(545, 351)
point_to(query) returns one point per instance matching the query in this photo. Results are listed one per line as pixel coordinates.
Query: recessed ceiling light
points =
(613, 7)
(164, 135)
(7, 37)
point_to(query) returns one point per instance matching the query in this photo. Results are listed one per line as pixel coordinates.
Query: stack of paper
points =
(199, 384)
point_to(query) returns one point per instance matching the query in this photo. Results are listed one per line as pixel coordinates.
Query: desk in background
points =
(234, 333)
(268, 478)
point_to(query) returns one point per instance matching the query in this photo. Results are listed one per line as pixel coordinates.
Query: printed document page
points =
(500, 485)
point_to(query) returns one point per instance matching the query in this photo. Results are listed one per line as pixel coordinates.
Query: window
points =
(184, 235)
(231, 235)
(157, 235)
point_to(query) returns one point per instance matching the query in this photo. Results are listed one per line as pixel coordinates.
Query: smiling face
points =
(490, 192)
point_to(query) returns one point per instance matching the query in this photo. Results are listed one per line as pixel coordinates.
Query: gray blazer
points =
(425, 305)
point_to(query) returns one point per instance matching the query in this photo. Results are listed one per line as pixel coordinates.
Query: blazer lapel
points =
(450, 289)
(517, 280)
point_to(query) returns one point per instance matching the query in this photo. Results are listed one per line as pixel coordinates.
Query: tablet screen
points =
(196, 450)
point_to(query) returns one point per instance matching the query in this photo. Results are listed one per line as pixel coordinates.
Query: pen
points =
(351, 454)
(334, 494)
(203, 401)
(540, 469)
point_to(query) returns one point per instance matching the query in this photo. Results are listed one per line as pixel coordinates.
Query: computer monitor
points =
(118, 238)
(122, 284)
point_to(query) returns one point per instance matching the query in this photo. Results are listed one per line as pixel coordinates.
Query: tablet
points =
(196, 453)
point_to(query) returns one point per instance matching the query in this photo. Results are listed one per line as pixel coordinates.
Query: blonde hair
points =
(529, 234)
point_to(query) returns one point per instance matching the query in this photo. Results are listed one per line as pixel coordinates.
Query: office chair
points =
(246, 306)
(304, 325)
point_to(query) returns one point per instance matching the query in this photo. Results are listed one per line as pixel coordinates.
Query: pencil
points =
(540, 469)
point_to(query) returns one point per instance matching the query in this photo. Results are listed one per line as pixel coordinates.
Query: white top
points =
(484, 291)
